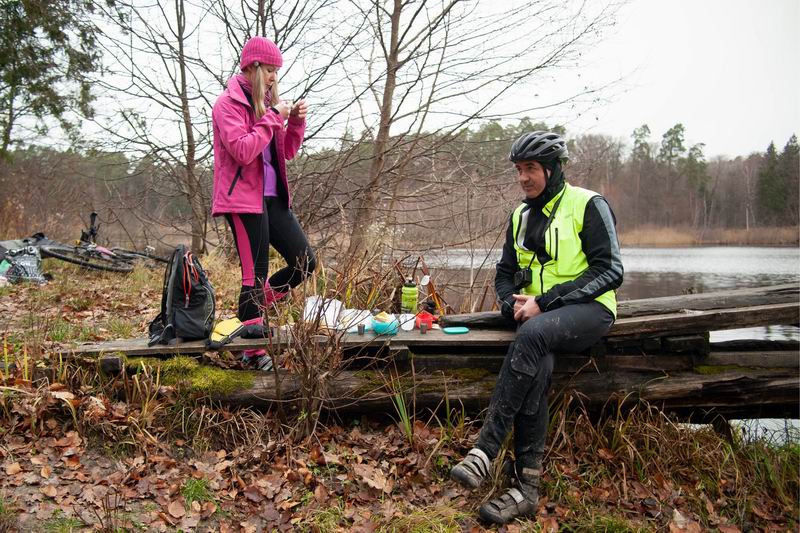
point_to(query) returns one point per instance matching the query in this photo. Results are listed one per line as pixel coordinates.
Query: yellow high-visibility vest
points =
(562, 242)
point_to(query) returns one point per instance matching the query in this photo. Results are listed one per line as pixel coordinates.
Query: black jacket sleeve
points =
(504, 278)
(599, 243)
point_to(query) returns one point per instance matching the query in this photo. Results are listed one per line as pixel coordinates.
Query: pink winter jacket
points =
(239, 140)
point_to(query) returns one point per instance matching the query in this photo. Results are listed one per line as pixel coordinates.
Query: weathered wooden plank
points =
(770, 359)
(705, 301)
(673, 324)
(564, 364)
(774, 294)
(714, 320)
(694, 344)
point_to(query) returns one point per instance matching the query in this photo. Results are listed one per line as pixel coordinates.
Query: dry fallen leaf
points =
(166, 518)
(176, 509)
(680, 524)
(320, 493)
(248, 527)
(605, 453)
(46, 471)
(71, 439)
(208, 509)
(288, 504)
(727, 528)
(189, 523)
(62, 395)
(13, 468)
(330, 458)
(549, 525)
(761, 513)
(252, 493)
(49, 490)
(372, 476)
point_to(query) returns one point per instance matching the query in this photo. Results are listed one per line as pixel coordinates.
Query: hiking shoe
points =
(517, 502)
(263, 362)
(257, 359)
(473, 470)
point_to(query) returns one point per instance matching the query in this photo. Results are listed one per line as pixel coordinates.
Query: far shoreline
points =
(659, 237)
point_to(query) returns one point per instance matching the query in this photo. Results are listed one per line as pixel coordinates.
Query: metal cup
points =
(361, 329)
(423, 328)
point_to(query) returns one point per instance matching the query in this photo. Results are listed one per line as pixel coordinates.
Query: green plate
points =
(455, 330)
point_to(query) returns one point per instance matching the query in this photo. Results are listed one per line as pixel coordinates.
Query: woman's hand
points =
(283, 108)
(299, 110)
(525, 307)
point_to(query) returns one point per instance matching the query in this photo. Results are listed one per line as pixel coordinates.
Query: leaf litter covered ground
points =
(82, 452)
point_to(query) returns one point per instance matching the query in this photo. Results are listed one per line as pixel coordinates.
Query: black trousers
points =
(519, 400)
(253, 234)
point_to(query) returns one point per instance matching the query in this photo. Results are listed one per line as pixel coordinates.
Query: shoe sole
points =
(492, 519)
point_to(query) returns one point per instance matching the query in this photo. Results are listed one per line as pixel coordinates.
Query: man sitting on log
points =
(557, 278)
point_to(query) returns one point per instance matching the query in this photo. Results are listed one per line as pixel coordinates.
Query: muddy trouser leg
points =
(519, 400)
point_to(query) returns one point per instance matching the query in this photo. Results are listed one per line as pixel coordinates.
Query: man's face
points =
(532, 178)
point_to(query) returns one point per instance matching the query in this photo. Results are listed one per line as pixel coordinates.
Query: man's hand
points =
(299, 110)
(525, 307)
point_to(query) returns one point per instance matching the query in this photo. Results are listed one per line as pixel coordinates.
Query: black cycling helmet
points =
(542, 146)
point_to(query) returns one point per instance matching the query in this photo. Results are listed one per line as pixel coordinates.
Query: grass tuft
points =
(63, 524)
(8, 516)
(434, 519)
(328, 520)
(196, 490)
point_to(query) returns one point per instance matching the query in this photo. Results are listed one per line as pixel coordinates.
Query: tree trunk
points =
(733, 391)
(192, 184)
(9, 124)
(366, 212)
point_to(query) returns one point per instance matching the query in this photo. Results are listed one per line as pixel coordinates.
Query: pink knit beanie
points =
(262, 50)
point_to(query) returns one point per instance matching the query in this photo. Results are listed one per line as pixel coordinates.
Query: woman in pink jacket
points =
(255, 132)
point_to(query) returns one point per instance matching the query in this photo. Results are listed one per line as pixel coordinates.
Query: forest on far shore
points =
(444, 190)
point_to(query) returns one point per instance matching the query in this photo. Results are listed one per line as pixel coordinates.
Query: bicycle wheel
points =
(86, 258)
(133, 255)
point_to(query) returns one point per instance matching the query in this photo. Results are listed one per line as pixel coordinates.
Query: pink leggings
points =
(253, 234)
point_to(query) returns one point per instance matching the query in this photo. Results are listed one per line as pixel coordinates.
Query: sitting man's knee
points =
(530, 335)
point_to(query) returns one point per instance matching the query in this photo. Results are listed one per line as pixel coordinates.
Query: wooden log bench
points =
(658, 351)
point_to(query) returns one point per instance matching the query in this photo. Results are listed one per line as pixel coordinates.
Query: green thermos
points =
(408, 298)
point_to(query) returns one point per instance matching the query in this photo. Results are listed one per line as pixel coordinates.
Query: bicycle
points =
(87, 253)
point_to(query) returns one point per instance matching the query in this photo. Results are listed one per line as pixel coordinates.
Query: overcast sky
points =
(729, 70)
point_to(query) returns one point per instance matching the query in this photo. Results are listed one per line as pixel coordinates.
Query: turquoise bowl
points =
(385, 328)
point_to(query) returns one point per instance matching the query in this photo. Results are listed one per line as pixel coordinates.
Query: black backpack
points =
(187, 301)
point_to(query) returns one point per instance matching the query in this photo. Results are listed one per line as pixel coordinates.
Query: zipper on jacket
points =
(235, 179)
(556, 244)
(541, 279)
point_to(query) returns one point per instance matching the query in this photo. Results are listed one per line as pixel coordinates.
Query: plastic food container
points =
(385, 328)
(424, 317)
